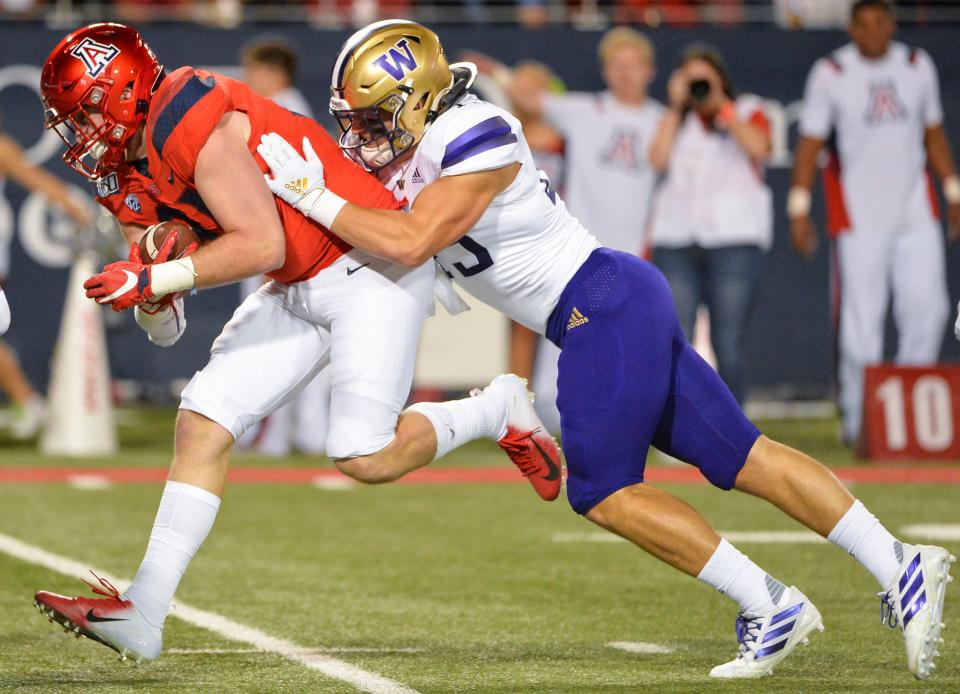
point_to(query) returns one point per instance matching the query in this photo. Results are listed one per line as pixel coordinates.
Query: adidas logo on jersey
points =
(576, 319)
(416, 178)
(298, 186)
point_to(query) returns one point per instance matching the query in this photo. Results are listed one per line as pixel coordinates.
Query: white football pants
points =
(909, 261)
(360, 318)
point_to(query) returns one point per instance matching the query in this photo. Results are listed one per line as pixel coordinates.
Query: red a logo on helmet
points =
(95, 56)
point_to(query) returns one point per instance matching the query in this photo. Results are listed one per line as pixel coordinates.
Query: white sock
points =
(185, 517)
(732, 573)
(860, 534)
(458, 421)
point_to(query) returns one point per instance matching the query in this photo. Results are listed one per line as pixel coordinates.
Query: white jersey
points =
(609, 180)
(526, 247)
(879, 110)
(713, 194)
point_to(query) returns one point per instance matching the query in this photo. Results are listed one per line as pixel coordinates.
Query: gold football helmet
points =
(390, 80)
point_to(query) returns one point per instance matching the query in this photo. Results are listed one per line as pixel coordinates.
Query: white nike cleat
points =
(111, 620)
(766, 639)
(914, 602)
(526, 441)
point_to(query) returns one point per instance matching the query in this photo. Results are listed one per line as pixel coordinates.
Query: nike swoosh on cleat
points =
(131, 282)
(554, 470)
(91, 617)
(351, 270)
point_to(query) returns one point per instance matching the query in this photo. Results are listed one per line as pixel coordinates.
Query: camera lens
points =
(699, 90)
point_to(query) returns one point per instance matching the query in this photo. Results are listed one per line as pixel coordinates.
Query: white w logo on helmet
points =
(395, 63)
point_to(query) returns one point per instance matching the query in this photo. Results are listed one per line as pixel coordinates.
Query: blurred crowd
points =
(792, 14)
(682, 182)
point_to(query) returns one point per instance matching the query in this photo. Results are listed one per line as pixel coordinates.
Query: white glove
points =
(4, 313)
(164, 324)
(956, 327)
(298, 181)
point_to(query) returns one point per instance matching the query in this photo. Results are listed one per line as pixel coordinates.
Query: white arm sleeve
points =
(816, 119)
(932, 109)
(164, 327)
(4, 313)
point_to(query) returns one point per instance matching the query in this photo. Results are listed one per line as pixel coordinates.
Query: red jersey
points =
(186, 108)
(134, 199)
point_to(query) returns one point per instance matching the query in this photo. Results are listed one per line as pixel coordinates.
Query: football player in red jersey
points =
(188, 140)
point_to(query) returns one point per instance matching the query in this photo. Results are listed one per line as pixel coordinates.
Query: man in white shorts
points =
(881, 101)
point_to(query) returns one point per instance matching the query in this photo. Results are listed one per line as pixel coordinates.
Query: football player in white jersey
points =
(627, 376)
(880, 100)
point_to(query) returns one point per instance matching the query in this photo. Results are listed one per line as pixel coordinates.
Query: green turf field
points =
(457, 588)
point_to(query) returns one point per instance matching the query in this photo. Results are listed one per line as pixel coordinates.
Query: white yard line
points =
(773, 537)
(933, 531)
(640, 647)
(746, 537)
(335, 649)
(218, 624)
(90, 483)
(333, 484)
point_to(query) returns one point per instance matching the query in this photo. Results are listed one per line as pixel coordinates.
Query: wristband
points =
(798, 202)
(728, 112)
(951, 189)
(172, 276)
(325, 208)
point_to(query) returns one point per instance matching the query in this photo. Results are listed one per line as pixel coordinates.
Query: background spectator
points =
(712, 216)
(609, 180)
(881, 100)
(270, 68)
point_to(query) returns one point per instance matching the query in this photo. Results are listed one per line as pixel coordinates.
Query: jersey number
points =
(482, 255)
(547, 189)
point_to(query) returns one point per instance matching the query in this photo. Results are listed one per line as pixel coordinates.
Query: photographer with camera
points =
(712, 217)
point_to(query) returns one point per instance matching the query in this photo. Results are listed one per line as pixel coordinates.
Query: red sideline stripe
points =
(875, 474)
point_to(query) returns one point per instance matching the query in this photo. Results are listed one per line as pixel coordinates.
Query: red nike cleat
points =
(110, 620)
(531, 448)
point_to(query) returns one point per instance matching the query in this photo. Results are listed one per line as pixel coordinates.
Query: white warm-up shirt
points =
(609, 181)
(879, 110)
(713, 194)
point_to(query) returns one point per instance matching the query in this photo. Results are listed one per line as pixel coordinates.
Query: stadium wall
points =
(789, 347)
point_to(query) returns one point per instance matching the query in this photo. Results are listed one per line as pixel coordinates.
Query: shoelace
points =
(528, 463)
(108, 590)
(748, 629)
(888, 612)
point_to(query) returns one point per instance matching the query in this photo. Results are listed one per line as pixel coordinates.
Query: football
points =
(153, 239)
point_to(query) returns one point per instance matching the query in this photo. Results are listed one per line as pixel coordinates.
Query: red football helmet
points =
(104, 69)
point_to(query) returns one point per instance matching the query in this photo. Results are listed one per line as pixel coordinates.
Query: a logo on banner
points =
(107, 185)
(95, 56)
(133, 202)
(621, 150)
(885, 105)
(395, 63)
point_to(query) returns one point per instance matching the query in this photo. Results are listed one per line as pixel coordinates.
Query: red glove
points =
(126, 284)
